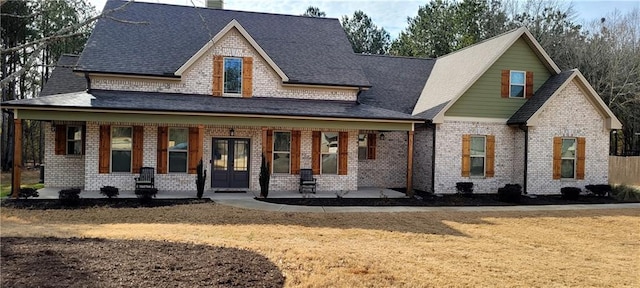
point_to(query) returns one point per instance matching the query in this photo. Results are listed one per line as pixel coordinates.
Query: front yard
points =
(582, 248)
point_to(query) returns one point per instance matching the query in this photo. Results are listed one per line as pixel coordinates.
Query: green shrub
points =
(510, 193)
(570, 193)
(69, 197)
(599, 189)
(265, 177)
(145, 194)
(464, 187)
(28, 192)
(625, 193)
(109, 191)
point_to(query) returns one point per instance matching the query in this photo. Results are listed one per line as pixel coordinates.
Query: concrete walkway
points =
(247, 201)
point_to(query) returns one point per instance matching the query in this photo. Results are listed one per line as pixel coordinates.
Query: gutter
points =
(433, 159)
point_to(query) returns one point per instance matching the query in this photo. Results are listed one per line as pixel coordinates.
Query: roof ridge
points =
(394, 56)
(230, 10)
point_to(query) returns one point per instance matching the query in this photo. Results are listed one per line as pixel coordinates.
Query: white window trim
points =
(524, 84)
(66, 151)
(111, 150)
(366, 145)
(574, 158)
(224, 72)
(181, 150)
(325, 153)
(273, 153)
(483, 156)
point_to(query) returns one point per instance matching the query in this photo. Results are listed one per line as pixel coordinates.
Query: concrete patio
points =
(365, 192)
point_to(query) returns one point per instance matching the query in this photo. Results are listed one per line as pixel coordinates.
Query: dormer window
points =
(232, 75)
(517, 84)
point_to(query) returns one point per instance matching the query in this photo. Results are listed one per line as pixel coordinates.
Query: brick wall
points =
(186, 182)
(422, 158)
(389, 169)
(199, 77)
(61, 171)
(569, 114)
(448, 163)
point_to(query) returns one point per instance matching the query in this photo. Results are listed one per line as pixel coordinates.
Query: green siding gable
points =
(483, 97)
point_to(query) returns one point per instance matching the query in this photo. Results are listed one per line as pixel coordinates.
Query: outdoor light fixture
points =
(232, 132)
(381, 136)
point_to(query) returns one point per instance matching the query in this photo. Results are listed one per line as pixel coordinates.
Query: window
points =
(363, 146)
(329, 152)
(232, 75)
(74, 140)
(281, 152)
(121, 147)
(568, 156)
(478, 154)
(178, 149)
(517, 84)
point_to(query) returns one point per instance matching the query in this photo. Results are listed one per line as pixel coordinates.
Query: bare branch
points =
(41, 40)
(126, 21)
(40, 45)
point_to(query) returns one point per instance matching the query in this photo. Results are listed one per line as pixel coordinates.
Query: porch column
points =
(410, 163)
(17, 157)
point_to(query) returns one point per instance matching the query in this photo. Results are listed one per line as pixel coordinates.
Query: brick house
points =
(228, 87)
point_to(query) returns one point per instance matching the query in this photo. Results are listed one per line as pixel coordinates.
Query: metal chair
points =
(307, 181)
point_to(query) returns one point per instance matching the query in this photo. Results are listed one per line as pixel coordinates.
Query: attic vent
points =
(215, 4)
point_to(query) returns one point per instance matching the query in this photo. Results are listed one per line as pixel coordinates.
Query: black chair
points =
(307, 180)
(146, 179)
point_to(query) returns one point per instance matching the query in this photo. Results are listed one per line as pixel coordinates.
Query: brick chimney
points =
(215, 4)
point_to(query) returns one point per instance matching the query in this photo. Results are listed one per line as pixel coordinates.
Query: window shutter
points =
(343, 152)
(163, 145)
(295, 152)
(529, 84)
(247, 77)
(490, 156)
(557, 156)
(84, 139)
(61, 140)
(466, 155)
(315, 152)
(195, 148)
(218, 67)
(580, 153)
(371, 146)
(104, 149)
(504, 87)
(267, 146)
(138, 143)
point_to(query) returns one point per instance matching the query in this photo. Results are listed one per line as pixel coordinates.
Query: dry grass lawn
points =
(585, 248)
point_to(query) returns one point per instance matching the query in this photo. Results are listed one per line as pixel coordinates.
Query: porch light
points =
(381, 136)
(232, 132)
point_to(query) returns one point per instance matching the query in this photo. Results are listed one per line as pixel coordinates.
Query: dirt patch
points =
(84, 203)
(430, 200)
(77, 262)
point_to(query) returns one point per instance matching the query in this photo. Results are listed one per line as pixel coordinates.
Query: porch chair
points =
(307, 180)
(146, 179)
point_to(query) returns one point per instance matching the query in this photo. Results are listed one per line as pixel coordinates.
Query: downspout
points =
(526, 153)
(433, 160)
(86, 76)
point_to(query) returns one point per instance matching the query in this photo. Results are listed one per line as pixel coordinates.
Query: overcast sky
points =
(390, 14)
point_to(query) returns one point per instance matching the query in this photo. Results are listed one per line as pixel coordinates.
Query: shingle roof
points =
(396, 81)
(62, 79)
(168, 102)
(308, 49)
(540, 97)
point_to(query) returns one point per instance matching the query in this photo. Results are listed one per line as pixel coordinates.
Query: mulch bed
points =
(44, 204)
(430, 200)
(80, 262)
